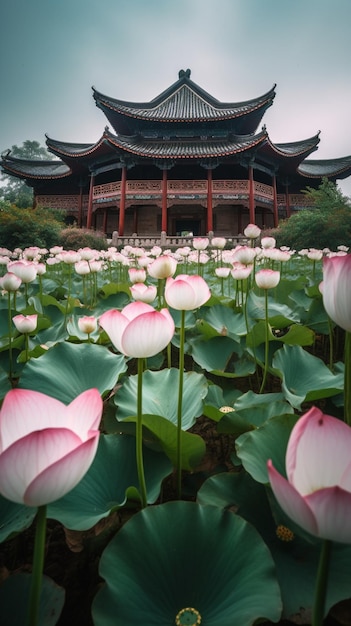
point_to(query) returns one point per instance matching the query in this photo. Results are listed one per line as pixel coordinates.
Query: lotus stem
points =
(180, 405)
(321, 584)
(38, 564)
(10, 333)
(266, 347)
(347, 379)
(139, 436)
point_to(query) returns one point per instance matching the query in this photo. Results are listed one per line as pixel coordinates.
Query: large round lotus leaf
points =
(181, 555)
(160, 396)
(296, 560)
(222, 356)
(14, 600)
(68, 369)
(14, 517)
(305, 377)
(4, 384)
(270, 441)
(111, 477)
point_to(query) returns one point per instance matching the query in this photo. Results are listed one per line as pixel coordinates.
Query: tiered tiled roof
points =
(182, 124)
(184, 101)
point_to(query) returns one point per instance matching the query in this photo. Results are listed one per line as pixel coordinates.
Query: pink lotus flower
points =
(138, 330)
(162, 267)
(186, 292)
(25, 323)
(25, 270)
(144, 293)
(218, 242)
(46, 447)
(200, 243)
(10, 282)
(268, 242)
(136, 275)
(87, 324)
(317, 491)
(336, 289)
(267, 279)
(252, 231)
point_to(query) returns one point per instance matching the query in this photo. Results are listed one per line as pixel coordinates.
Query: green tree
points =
(327, 225)
(23, 227)
(15, 190)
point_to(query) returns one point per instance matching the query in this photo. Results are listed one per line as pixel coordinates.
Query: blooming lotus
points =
(268, 242)
(136, 275)
(186, 292)
(25, 323)
(46, 447)
(252, 231)
(317, 491)
(218, 242)
(87, 324)
(25, 270)
(10, 282)
(144, 293)
(162, 267)
(267, 279)
(336, 289)
(200, 243)
(138, 330)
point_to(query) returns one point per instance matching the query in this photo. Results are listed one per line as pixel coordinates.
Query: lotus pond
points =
(190, 369)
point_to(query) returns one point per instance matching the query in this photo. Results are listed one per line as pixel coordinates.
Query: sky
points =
(54, 51)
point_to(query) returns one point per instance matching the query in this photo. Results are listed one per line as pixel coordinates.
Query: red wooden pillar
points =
(275, 202)
(287, 200)
(252, 217)
(104, 222)
(164, 201)
(90, 201)
(80, 206)
(209, 201)
(122, 204)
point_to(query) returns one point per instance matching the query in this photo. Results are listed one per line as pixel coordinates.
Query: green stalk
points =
(266, 347)
(321, 584)
(139, 436)
(347, 379)
(38, 564)
(180, 405)
(10, 333)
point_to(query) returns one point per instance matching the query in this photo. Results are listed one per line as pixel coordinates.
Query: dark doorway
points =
(186, 227)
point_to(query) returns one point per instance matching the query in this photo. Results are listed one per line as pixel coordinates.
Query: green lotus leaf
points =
(251, 411)
(216, 399)
(279, 314)
(5, 385)
(254, 448)
(68, 369)
(295, 334)
(107, 484)
(160, 396)
(225, 321)
(14, 517)
(193, 447)
(296, 560)
(14, 601)
(305, 378)
(181, 555)
(222, 357)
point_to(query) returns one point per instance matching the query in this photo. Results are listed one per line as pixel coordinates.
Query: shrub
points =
(20, 228)
(327, 225)
(74, 238)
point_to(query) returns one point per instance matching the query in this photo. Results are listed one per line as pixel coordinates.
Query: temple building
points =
(182, 163)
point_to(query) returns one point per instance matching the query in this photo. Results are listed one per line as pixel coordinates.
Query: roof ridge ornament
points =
(184, 73)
